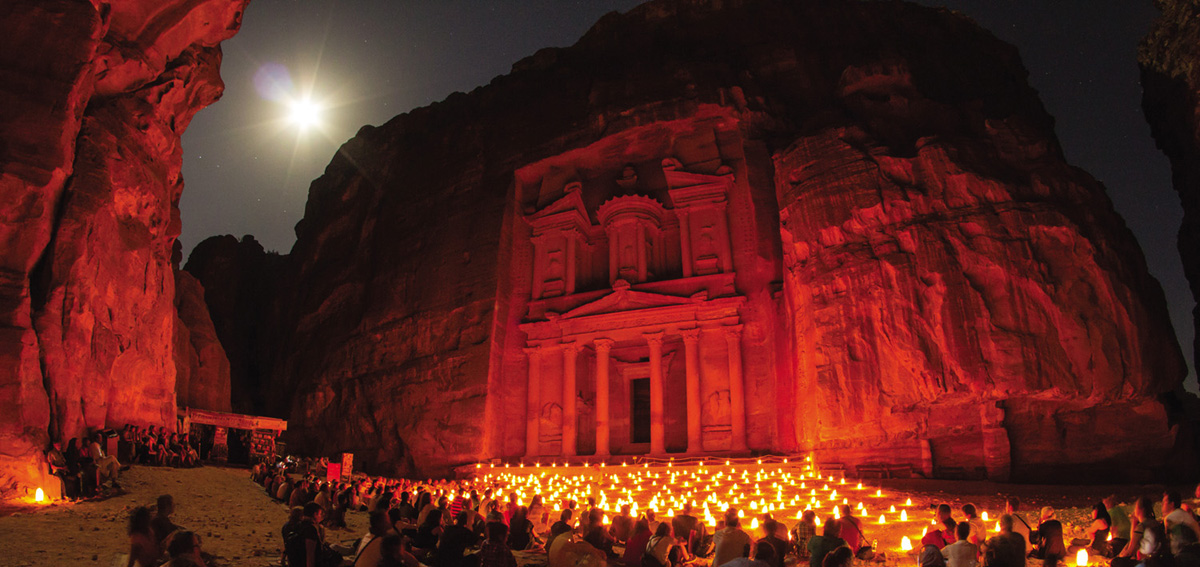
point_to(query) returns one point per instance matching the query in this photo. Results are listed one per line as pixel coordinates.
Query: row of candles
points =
(780, 489)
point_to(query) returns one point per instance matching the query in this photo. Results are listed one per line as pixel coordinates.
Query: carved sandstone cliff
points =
(920, 277)
(1170, 62)
(93, 102)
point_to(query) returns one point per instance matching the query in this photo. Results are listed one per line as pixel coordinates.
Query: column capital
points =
(690, 335)
(603, 344)
(535, 350)
(732, 331)
(655, 338)
(570, 346)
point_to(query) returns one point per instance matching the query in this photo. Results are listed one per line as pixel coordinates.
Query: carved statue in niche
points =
(550, 423)
(716, 409)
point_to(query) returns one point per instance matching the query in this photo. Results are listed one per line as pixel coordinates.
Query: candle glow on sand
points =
(758, 489)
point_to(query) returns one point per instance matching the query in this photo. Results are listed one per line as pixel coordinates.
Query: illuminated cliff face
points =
(95, 100)
(752, 226)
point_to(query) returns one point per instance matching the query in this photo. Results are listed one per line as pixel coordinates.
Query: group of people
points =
(1129, 537)
(155, 540)
(436, 523)
(86, 468)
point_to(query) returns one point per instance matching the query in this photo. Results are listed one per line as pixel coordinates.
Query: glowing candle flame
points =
(908, 502)
(1081, 558)
(905, 544)
(904, 515)
(754, 524)
(39, 495)
(882, 520)
(985, 518)
(879, 493)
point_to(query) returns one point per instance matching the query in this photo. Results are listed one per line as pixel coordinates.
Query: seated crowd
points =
(155, 540)
(85, 467)
(462, 524)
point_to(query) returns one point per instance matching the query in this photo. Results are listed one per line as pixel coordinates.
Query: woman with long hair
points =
(143, 548)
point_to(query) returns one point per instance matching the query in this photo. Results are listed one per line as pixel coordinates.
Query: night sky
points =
(247, 168)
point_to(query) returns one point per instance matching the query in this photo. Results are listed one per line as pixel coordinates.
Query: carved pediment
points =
(567, 212)
(623, 298)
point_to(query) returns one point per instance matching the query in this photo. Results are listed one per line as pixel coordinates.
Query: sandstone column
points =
(533, 407)
(657, 429)
(724, 236)
(603, 347)
(737, 388)
(570, 351)
(691, 346)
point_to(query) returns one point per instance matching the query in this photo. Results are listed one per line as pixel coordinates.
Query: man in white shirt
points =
(962, 553)
(1181, 526)
(107, 467)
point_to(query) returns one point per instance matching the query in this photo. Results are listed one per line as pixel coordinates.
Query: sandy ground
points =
(239, 524)
(236, 520)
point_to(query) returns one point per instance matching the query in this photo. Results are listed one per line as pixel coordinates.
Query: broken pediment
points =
(624, 298)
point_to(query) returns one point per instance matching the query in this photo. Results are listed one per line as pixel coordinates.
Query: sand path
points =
(236, 521)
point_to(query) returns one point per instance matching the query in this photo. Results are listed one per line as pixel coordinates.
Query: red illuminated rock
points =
(92, 106)
(901, 268)
(201, 368)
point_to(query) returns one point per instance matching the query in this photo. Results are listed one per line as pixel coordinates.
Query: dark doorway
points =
(639, 404)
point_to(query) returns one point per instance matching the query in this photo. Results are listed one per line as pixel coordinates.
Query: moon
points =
(304, 113)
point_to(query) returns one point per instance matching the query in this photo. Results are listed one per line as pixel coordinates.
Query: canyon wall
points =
(927, 283)
(94, 99)
(1169, 58)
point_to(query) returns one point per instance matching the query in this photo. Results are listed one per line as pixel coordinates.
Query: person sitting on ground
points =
(455, 541)
(622, 525)
(930, 556)
(300, 495)
(1143, 518)
(324, 499)
(596, 535)
(306, 547)
(764, 554)
(689, 529)
(407, 512)
(943, 513)
(107, 467)
(396, 552)
(662, 547)
(562, 526)
(1050, 547)
(829, 540)
(978, 531)
(1095, 539)
(635, 546)
(1152, 549)
(1012, 507)
(162, 524)
(495, 551)
(184, 550)
(569, 550)
(520, 530)
(370, 548)
(1179, 525)
(805, 529)
(940, 538)
(428, 533)
(731, 541)
(143, 548)
(852, 533)
(295, 516)
(776, 536)
(1122, 527)
(840, 557)
(1006, 549)
(962, 553)
(284, 492)
(652, 519)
